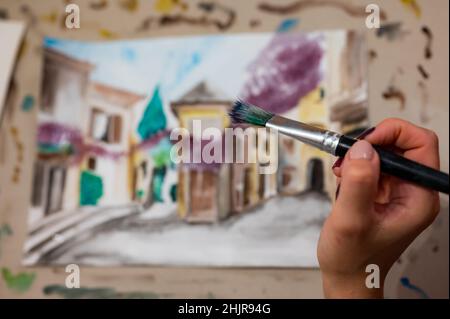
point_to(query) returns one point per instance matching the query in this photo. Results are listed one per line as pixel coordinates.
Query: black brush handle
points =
(399, 166)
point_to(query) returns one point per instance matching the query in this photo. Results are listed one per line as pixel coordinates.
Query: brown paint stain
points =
(372, 55)
(4, 14)
(393, 92)
(429, 36)
(254, 23)
(179, 19)
(423, 72)
(300, 5)
(98, 5)
(19, 154)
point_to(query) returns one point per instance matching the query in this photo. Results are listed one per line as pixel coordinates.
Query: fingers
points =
(418, 144)
(337, 164)
(358, 186)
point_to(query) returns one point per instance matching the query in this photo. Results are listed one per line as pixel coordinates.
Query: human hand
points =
(375, 218)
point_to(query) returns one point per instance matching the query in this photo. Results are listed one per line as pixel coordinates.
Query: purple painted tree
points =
(285, 71)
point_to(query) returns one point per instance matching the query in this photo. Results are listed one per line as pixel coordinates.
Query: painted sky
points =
(177, 64)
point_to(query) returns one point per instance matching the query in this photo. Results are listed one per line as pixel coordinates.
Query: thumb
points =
(359, 183)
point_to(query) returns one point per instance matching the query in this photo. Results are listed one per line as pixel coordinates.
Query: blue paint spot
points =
(287, 25)
(187, 66)
(407, 284)
(128, 54)
(48, 42)
(27, 103)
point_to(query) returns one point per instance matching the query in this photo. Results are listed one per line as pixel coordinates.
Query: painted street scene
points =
(105, 191)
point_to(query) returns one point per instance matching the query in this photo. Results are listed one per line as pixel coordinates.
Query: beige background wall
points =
(395, 62)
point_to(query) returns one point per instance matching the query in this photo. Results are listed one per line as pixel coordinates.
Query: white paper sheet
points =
(11, 33)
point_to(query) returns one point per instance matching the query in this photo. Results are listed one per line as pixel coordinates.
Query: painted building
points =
(65, 85)
(108, 130)
(338, 103)
(203, 192)
(83, 140)
(315, 172)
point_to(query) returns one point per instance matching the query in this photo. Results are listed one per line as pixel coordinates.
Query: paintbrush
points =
(338, 145)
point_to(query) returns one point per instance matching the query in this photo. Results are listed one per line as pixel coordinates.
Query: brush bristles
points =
(242, 112)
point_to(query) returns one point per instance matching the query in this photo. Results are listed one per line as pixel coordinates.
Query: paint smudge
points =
(167, 6)
(391, 31)
(372, 55)
(424, 118)
(91, 188)
(413, 6)
(254, 23)
(19, 283)
(407, 284)
(19, 154)
(129, 54)
(209, 6)
(393, 92)
(285, 71)
(423, 72)
(98, 5)
(5, 231)
(97, 293)
(300, 5)
(4, 14)
(27, 103)
(287, 25)
(51, 17)
(107, 34)
(429, 36)
(205, 20)
(129, 5)
(166, 21)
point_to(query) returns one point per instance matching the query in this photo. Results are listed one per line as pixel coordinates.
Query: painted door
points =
(55, 189)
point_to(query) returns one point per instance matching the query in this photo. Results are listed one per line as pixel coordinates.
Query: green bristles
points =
(247, 113)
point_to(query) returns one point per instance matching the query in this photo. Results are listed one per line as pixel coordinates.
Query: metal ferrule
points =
(323, 139)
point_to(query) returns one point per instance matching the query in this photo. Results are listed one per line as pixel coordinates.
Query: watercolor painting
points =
(105, 191)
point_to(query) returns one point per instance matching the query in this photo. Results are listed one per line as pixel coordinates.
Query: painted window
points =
(105, 127)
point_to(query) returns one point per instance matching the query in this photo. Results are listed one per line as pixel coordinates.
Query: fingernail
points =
(361, 150)
(337, 191)
(365, 133)
(338, 163)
